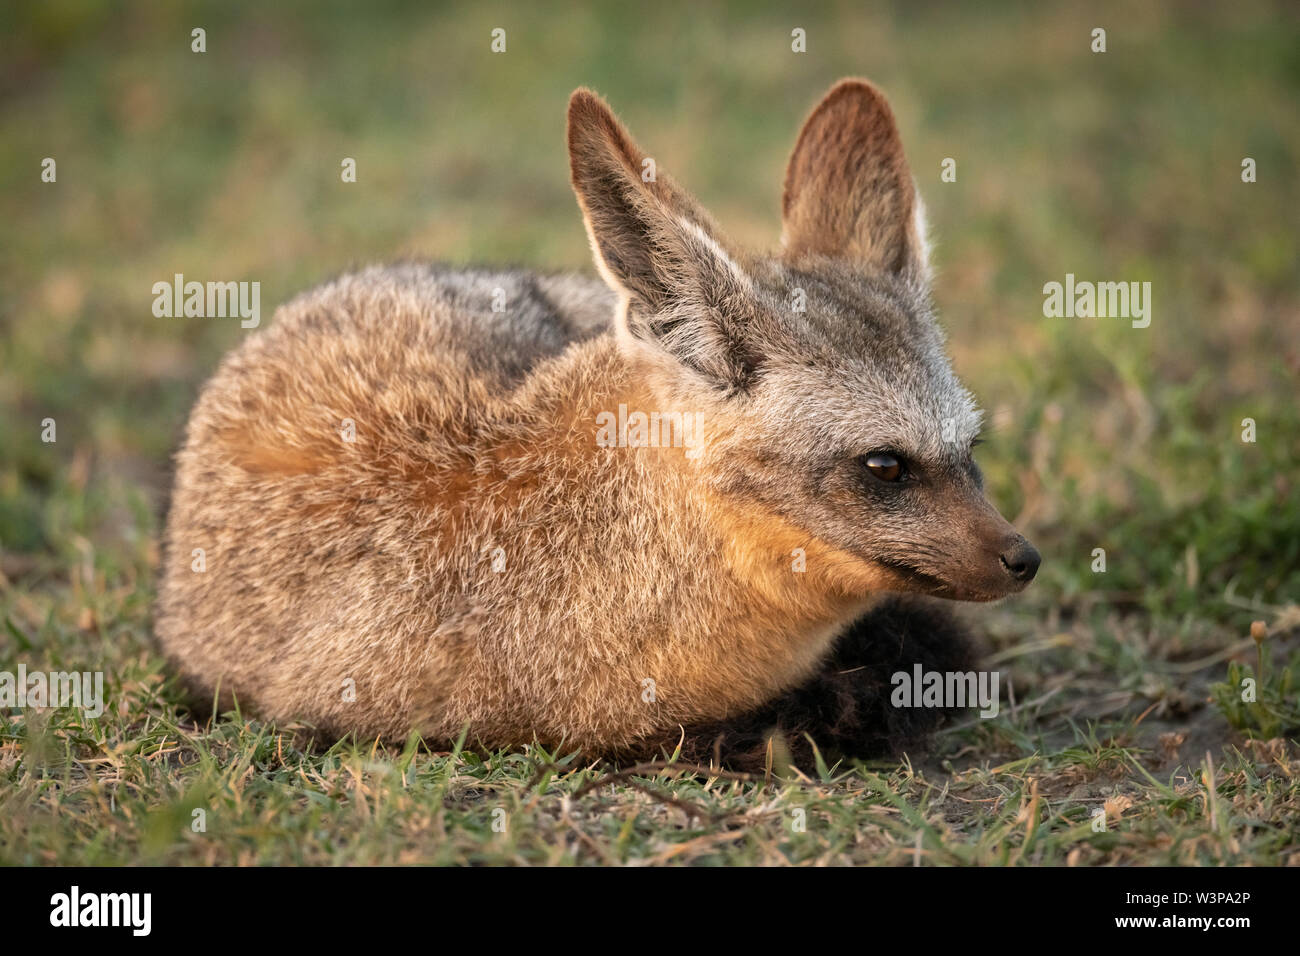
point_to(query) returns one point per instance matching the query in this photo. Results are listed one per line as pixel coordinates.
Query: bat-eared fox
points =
(671, 509)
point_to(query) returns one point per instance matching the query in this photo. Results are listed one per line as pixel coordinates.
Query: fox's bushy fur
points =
(391, 511)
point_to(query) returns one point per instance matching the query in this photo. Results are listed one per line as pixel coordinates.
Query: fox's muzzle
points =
(984, 557)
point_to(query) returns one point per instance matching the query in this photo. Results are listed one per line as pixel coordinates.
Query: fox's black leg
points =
(845, 707)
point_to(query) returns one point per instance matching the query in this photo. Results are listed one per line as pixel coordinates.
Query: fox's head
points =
(820, 373)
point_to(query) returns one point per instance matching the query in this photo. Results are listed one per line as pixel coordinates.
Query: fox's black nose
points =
(1021, 560)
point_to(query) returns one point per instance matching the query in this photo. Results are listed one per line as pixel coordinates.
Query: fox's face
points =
(827, 396)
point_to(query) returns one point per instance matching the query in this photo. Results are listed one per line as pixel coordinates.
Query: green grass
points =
(1119, 166)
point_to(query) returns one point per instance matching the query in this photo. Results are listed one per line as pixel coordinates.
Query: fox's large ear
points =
(655, 244)
(848, 190)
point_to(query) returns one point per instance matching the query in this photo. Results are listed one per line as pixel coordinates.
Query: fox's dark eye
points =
(885, 466)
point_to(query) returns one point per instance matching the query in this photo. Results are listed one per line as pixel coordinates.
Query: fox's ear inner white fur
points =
(921, 233)
(848, 190)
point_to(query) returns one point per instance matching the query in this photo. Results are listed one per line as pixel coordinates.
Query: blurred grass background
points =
(1122, 166)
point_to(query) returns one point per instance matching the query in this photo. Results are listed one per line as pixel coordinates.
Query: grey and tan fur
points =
(474, 558)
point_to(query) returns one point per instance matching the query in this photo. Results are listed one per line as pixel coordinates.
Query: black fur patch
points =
(845, 707)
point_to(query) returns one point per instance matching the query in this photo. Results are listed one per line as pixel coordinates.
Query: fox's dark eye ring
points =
(885, 466)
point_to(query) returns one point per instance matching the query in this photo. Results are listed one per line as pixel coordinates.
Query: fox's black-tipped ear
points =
(848, 190)
(649, 237)
(619, 211)
(654, 243)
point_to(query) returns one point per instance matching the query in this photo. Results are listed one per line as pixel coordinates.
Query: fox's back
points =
(490, 325)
